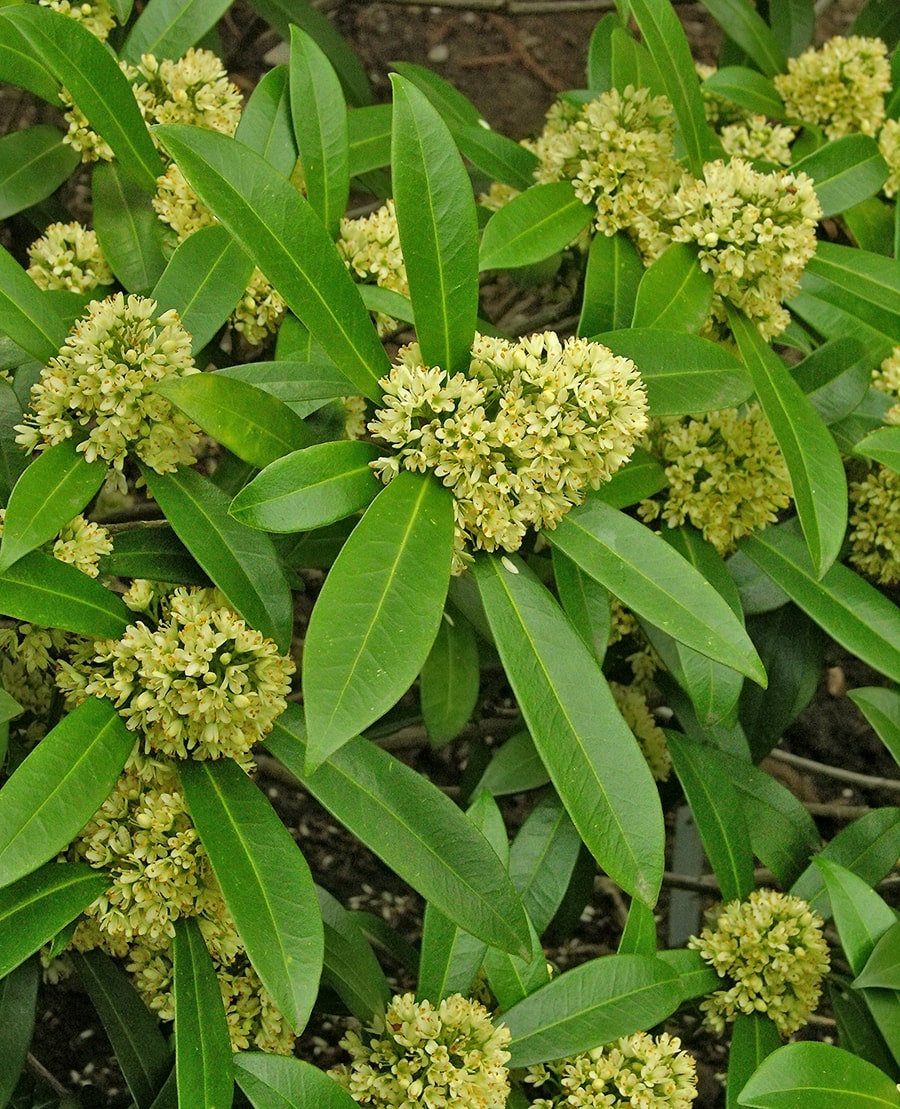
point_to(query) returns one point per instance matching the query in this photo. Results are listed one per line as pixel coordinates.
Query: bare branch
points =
(864, 781)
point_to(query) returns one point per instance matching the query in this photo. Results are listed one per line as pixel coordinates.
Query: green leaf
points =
(857, 1031)
(319, 116)
(18, 1001)
(590, 753)
(632, 64)
(455, 109)
(369, 135)
(818, 1076)
(664, 37)
(683, 373)
(496, 155)
(657, 583)
(881, 707)
(251, 423)
(19, 67)
(304, 386)
(128, 229)
(599, 60)
(862, 917)
(596, 1002)
(265, 881)
(36, 907)
(813, 460)
(52, 594)
(747, 88)
(310, 488)
(141, 1050)
(533, 226)
(450, 680)
(753, 1038)
(13, 461)
(279, 1082)
(883, 445)
(846, 606)
(674, 293)
(844, 172)
(614, 271)
(204, 280)
(377, 615)
(835, 378)
(585, 602)
(350, 966)
(641, 477)
(697, 977)
(882, 968)
(717, 813)
(266, 124)
(55, 791)
(280, 231)
(90, 73)
(26, 316)
(54, 488)
(542, 860)
(793, 23)
(166, 28)
(880, 19)
(871, 223)
(515, 768)
(743, 25)
(438, 228)
(152, 551)
(34, 162)
(202, 1043)
(413, 828)
(241, 561)
(639, 934)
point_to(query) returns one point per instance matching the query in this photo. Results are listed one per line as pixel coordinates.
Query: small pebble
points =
(440, 52)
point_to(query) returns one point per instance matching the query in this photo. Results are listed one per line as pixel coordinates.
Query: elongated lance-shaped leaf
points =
(748, 88)
(656, 582)
(52, 794)
(585, 602)
(369, 132)
(664, 37)
(845, 172)
(350, 966)
(450, 680)
(130, 233)
(202, 1043)
(674, 292)
(52, 594)
(614, 271)
(277, 227)
(279, 1082)
(881, 707)
(320, 127)
(18, 1000)
(167, 28)
(90, 73)
(140, 1047)
(454, 107)
(19, 67)
(265, 882)
(438, 228)
(812, 458)
(26, 316)
(412, 827)
(241, 561)
(34, 162)
(266, 125)
(818, 1076)
(793, 23)
(377, 615)
(590, 753)
(745, 26)
(883, 445)
(542, 858)
(753, 1039)
(500, 157)
(842, 603)
(533, 226)
(54, 488)
(639, 934)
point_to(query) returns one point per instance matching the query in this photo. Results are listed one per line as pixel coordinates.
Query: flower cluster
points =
(771, 951)
(103, 379)
(417, 1054)
(840, 87)
(371, 248)
(632, 704)
(82, 544)
(758, 140)
(874, 524)
(27, 661)
(259, 311)
(178, 206)
(727, 476)
(889, 146)
(519, 439)
(68, 256)
(755, 233)
(194, 89)
(639, 1071)
(95, 16)
(200, 684)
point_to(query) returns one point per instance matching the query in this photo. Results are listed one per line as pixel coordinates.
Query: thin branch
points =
(864, 781)
(37, 1068)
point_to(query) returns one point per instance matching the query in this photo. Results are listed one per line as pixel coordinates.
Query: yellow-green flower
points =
(260, 310)
(758, 140)
(68, 256)
(193, 89)
(889, 146)
(632, 704)
(874, 524)
(178, 206)
(95, 16)
(370, 246)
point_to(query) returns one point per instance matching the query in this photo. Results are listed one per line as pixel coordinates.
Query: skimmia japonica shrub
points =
(222, 385)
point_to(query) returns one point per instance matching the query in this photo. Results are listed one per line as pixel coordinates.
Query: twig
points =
(38, 1068)
(517, 47)
(836, 810)
(865, 781)
(521, 7)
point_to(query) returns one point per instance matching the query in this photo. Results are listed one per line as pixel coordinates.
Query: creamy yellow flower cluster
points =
(68, 256)
(95, 16)
(370, 246)
(520, 438)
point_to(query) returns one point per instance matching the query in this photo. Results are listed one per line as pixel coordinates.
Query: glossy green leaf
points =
(871, 223)
(34, 908)
(845, 172)
(319, 115)
(585, 602)
(640, 478)
(25, 314)
(533, 226)
(378, 613)
(868, 416)
(495, 154)
(349, 965)
(55, 791)
(278, 228)
(310, 488)
(512, 979)
(614, 271)
(202, 1043)
(454, 107)
(90, 73)
(240, 560)
(697, 977)
(813, 460)
(52, 594)
(304, 386)
(632, 64)
(141, 1049)
(128, 229)
(857, 1030)
(846, 606)
(515, 768)
(369, 134)
(745, 26)
(748, 88)
(13, 460)
(882, 968)
(412, 827)
(251, 423)
(588, 750)
(438, 228)
(264, 879)
(18, 1000)
(20, 67)
(639, 934)
(793, 23)
(753, 1038)
(675, 293)
(450, 680)
(279, 1082)
(879, 18)
(266, 124)
(883, 445)
(542, 859)
(154, 552)
(34, 162)
(55, 487)
(818, 1076)
(166, 28)
(657, 583)
(682, 373)
(835, 378)
(881, 707)
(204, 280)
(862, 917)
(596, 1002)
(599, 60)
